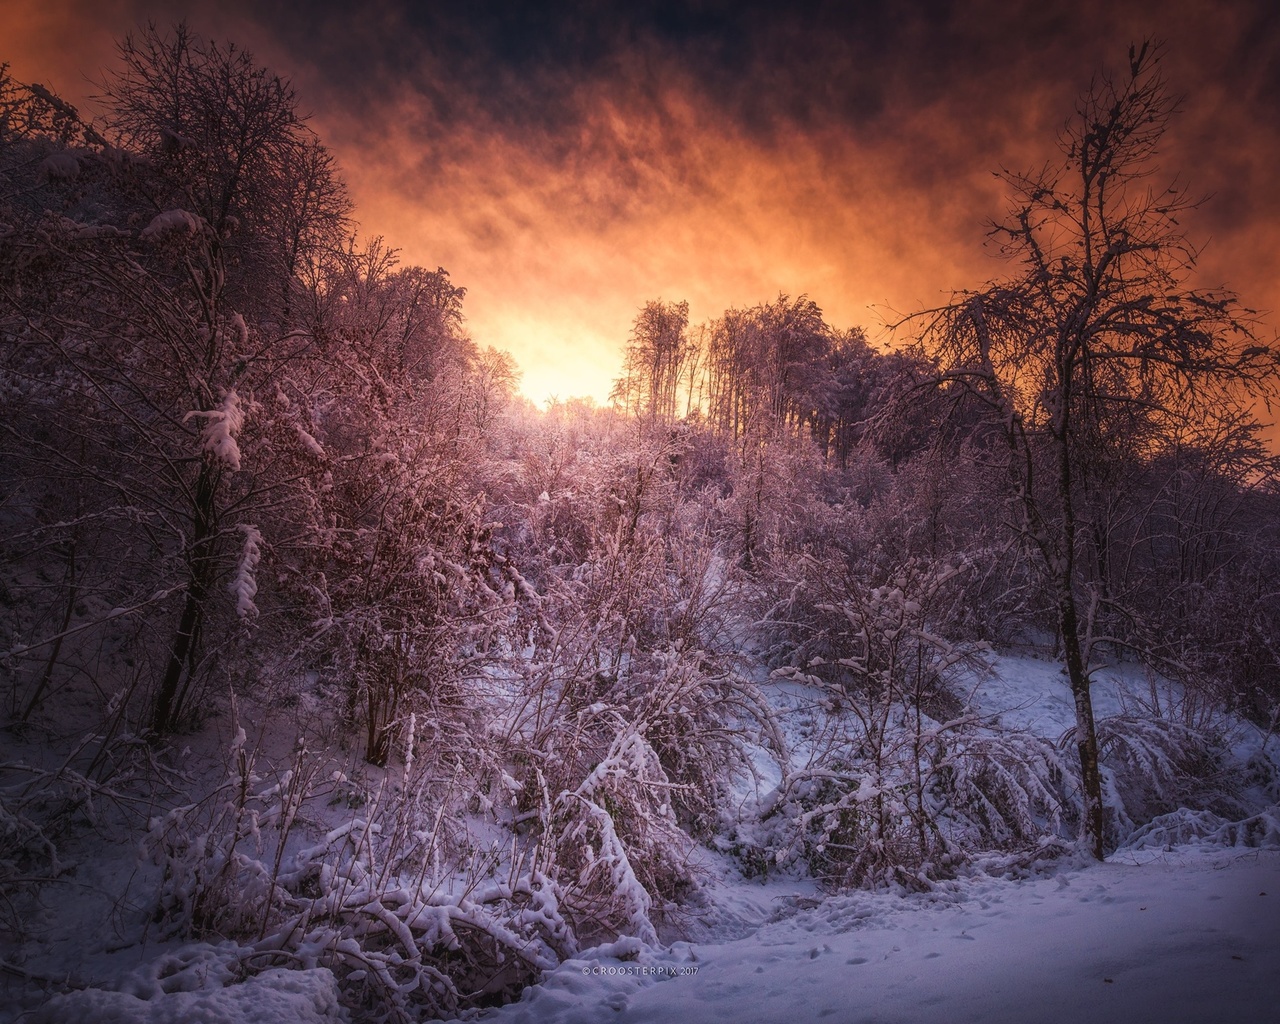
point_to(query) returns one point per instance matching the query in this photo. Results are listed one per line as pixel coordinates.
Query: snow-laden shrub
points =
(1186, 826)
(626, 725)
(905, 781)
(894, 797)
(221, 855)
(1004, 789)
(398, 590)
(923, 521)
(624, 784)
(868, 613)
(408, 946)
(617, 843)
(901, 799)
(383, 900)
(403, 946)
(1153, 766)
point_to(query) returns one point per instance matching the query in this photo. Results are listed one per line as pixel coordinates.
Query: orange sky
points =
(566, 173)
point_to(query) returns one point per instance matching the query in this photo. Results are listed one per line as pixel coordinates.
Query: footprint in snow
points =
(854, 961)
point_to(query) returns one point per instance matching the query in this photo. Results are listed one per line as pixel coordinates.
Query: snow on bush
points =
(215, 880)
(625, 722)
(1185, 826)
(373, 901)
(402, 945)
(244, 584)
(891, 797)
(172, 224)
(218, 438)
(616, 821)
(308, 441)
(1153, 767)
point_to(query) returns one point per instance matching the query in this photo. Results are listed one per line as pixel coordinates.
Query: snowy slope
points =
(1169, 934)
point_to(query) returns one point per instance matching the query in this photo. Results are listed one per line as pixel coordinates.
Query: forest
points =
(323, 647)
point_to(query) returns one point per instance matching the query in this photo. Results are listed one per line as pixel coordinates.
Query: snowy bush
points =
(1155, 766)
(220, 865)
(904, 781)
(902, 800)
(397, 589)
(1186, 826)
(627, 724)
(406, 946)
(381, 900)
(617, 843)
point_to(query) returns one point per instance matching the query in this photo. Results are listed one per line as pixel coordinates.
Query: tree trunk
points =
(179, 653)
(1086, 733)
(1063, 568)
(198, 563)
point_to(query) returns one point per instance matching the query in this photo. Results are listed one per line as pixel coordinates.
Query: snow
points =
(275, 996)
(222, 424)
(1180, 926)
(1033, 694)
(309, 442)
(244, 584)
(1159, 932)
(239, 330)
(1188, 935)
(166, 225)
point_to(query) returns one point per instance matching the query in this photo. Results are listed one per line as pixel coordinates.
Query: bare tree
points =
(1095, 345)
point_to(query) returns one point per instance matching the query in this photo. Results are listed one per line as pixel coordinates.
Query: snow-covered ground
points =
(1032, 693)
(1182, 934)
(1169, 934)
(1188, 935)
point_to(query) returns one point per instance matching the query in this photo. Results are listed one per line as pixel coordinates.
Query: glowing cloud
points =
(565, 170)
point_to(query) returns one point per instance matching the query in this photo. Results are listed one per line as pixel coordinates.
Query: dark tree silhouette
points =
(1098, 336)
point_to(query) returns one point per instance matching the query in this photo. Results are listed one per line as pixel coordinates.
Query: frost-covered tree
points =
(656, 362)
(146, 341)
(761, 365)
(388, 563)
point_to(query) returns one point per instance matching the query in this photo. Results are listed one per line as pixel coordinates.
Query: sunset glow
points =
(567, 172)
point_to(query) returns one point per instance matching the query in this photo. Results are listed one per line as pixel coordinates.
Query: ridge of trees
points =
(207, 380)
